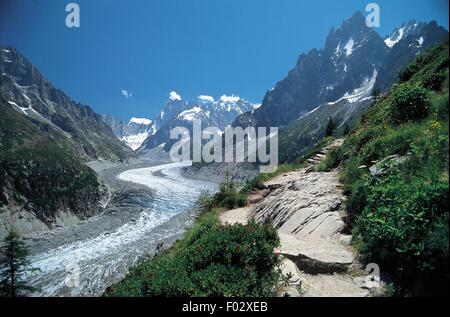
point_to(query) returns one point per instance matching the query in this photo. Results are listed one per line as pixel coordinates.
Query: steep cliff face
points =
(352, 54)
(26, 90)
(337, 81)
(45, 139)
(40, 176)
(409, 40)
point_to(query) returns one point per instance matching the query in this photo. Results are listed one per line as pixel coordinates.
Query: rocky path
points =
(307, 208)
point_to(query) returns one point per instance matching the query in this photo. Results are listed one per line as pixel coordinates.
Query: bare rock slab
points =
(323, 285)
(316, 255)
(235, 216)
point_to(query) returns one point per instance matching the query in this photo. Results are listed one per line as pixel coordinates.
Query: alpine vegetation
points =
(181, 172)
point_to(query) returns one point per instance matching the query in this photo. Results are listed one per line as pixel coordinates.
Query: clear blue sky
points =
(151, 47)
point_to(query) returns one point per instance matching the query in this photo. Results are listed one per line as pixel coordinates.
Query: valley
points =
(151, 203)
(357, 176)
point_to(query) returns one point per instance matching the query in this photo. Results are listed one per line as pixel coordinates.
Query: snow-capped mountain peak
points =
(231, 99)
(217, 112)
(133, 132)
(190, 114)
(343, 70)
(213, 112)
(135, 141)
(206, 98)
(143, 121)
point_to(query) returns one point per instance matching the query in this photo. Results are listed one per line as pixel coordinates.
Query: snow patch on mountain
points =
(349, 47)
(310, 112)
(26, 97)
(421, 40)
(135, 141)
(410, 28)
(22, 109)
(232, 98)
(337, 50)
(141, 121)
(362, 93)
(257, 106)
(395, 38)
(189, 115)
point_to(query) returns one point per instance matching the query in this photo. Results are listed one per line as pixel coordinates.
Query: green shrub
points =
(330, 128)
(205, 204)
(398, 218)
(332, 160)
(409, 102)
(357, 199)
(397, 141)
(434, 81)
(441, 106)
(212, 260)
(228, 196)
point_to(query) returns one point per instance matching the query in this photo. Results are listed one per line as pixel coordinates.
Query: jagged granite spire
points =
(354, 57)
(350, 55)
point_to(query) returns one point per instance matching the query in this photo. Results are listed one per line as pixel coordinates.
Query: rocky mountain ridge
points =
(45, 140)
(134, 132)
(338, 81)
(27, 91)
(176, 112)
(352, 54)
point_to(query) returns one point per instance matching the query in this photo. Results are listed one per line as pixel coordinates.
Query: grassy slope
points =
(401, 215)
(41, 168)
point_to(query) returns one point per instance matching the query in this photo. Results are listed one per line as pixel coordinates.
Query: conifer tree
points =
(331, 126)
(13, 264)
